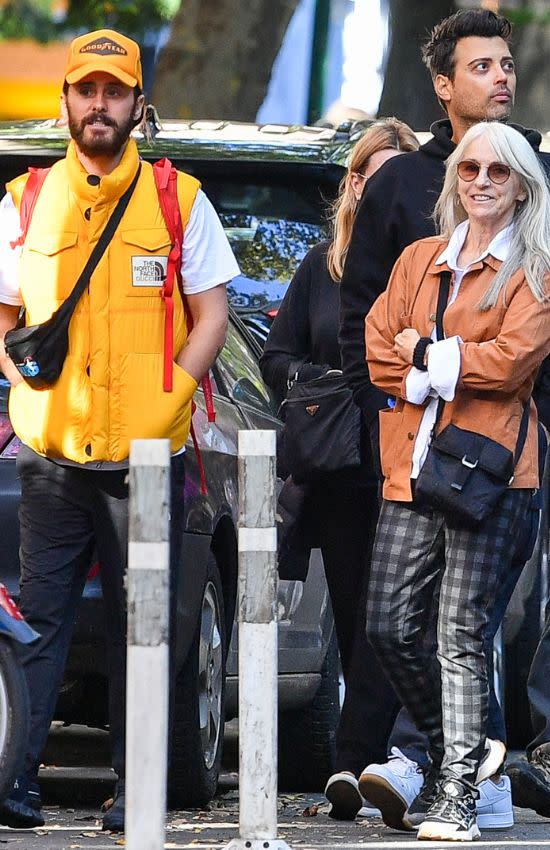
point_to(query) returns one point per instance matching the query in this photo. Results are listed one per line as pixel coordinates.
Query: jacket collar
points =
(495, 254)
(110, 187)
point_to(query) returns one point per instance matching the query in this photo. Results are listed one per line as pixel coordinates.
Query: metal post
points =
(148, 623)
(257, 605)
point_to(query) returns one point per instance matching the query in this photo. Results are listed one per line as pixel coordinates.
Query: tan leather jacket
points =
(501, 351)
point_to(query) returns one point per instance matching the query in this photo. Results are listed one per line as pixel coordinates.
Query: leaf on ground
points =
(311, 811)
(107, 804)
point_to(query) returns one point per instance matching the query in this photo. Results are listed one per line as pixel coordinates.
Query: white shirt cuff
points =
(444, 366)
(417, 386)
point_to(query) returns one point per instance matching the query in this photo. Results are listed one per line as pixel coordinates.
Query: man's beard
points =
(100, 146)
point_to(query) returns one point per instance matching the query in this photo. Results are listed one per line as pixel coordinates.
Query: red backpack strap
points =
(28, 200)
(166, 180)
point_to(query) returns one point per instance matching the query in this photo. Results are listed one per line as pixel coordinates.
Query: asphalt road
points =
(73, 795)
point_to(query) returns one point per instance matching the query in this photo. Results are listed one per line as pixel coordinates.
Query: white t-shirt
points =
(207, 258)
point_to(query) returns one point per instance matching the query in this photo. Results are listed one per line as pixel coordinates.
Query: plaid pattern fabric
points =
(433, 583)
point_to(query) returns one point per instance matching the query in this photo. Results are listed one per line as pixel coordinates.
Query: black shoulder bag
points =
(465, 474)
(39, 351)
(322, 430)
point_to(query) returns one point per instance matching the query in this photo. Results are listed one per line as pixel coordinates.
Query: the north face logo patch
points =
(104, 47)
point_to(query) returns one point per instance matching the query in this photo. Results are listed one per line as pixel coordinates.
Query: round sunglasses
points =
(497, 172)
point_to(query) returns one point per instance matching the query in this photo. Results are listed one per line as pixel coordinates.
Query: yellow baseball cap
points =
(104, 50)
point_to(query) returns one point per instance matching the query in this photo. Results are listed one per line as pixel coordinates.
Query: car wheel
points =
(199, 705)
(307, 736)
(14, 716)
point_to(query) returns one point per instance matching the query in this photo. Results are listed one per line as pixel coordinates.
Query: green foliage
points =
(36, 18)
(526, 15)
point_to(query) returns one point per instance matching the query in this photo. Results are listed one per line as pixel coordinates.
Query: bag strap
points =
(166, 181)
(67, 308)
(442, 300)
(30, 194)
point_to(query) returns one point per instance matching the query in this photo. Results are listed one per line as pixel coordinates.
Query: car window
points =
(270, 228)
(240, 372)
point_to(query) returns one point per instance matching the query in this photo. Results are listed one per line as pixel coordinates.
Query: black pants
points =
(65, 513)
(345, 518)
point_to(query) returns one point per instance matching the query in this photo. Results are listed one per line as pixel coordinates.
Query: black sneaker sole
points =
(383, 796)
(345, 800)
(19, 816)
(527, 791)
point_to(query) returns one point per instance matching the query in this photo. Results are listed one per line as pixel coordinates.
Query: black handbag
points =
(465, 473)
(322, 428)
(39, 351)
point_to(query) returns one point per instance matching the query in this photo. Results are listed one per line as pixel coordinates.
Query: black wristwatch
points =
(420, 352)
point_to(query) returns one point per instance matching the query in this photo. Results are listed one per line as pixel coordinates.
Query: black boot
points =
(113, 819)
(531, 781)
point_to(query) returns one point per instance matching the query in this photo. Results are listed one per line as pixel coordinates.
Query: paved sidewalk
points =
(303, 823)
(73, 795)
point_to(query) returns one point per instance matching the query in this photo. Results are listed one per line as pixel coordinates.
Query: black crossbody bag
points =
(322, 430)
(39, 351)
(465, 474)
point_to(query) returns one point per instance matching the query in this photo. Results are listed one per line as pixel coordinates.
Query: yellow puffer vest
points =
(111, 388)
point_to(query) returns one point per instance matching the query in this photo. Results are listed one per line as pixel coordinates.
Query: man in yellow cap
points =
(119, 380)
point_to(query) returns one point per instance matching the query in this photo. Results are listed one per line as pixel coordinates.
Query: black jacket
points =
(305, 329)
(395, 210)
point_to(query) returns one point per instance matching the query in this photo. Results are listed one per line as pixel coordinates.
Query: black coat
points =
(396, 209)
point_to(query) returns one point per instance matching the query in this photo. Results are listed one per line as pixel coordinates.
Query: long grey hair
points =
(530, 246)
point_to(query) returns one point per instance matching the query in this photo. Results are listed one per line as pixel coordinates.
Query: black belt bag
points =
(465, 474)
(39, 351)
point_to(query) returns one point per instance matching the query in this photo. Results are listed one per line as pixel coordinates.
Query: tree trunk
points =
(408, 91)
(531, 50)
(218, 60)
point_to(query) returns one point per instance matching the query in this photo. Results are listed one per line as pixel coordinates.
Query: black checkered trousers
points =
(430, 585)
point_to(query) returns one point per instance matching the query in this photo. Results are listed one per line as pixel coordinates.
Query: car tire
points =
(307, 736)
(199, 705)
(14, 716)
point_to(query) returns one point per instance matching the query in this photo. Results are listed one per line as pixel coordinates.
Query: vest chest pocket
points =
(145, 260)
(49, 266)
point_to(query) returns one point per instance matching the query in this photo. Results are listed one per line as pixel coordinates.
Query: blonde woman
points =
(494, 221)
(341, 508)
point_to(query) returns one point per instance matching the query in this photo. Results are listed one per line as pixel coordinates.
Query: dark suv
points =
(271, 187)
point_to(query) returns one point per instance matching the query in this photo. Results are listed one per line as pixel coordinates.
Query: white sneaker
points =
(492, 760)
(368, 811)
(342, 792)
(392, 786)
(494, 806)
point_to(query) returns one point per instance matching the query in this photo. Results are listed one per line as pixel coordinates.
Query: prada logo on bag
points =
(312, 409)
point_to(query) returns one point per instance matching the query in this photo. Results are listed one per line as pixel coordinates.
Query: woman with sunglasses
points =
(342, 508)
(433, 577)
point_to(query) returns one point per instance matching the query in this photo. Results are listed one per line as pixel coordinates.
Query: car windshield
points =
(270, 229)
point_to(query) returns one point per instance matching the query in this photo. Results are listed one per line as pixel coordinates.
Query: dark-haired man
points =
(130, 372)
(473, 73)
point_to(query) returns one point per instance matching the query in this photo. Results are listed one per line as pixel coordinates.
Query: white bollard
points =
(257, 608)
(148, 625)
